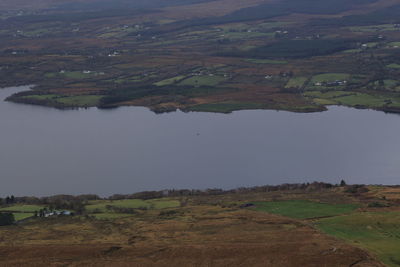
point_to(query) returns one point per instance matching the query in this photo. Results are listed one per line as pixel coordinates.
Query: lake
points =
(45, 151)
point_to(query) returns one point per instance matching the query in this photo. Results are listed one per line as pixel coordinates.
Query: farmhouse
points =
(52, 213)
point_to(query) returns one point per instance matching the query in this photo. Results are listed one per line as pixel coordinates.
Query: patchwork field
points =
(159, 55)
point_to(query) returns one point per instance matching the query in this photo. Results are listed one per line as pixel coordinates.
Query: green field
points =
(318, 82)
(394, 66)
(329, 77)
(245, 35)
(349, 51)
(394, 44)
(80, 101)
(392, 85)
(71, 101)
(170, 80)
(303, 209)
(360, 99)
(22, 215)
(41, 97)
(374, 28)
(70, 74)
(372, 44)
(77, 75)
(296, 82)
(379, 232)
(204, 80)
(329, 94)
(22, 208)
(101, 205)
(354, 99)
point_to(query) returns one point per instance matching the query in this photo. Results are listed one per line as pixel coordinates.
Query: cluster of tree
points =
(6, 219)
(295, 49)
(77, 203)
(261, 12)
(69, 17)
(382, 16)
(8, 200)
(176, 93)
(315, 186)
(285, 7)
(356, 189)
(58, 202)
(125, 210)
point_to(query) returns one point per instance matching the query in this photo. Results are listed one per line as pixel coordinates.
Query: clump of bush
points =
(170, 213)
(6, 219)
(377, 205)
(356, 189)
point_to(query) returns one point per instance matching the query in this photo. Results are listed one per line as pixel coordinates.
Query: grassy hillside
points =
(283, 225)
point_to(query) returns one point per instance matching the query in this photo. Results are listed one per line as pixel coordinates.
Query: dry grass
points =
(209, 231)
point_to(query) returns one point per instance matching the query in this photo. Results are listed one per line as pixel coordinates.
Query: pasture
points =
(203, 80)
(355, 99)
(169, 81)
(22, 208)
(64, 101)
(304, 209)
(393, 66)
(18, 216)
(329, 77)
(296, 82)
(379, 232)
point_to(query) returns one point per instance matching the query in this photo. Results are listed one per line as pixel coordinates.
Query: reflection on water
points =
(45, 151)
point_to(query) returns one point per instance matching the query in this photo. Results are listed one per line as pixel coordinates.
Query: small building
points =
(53, 213)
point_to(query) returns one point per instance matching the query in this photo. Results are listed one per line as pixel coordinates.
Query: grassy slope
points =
(21, 216)
(22, 208)
(378, 232)
(303, 209)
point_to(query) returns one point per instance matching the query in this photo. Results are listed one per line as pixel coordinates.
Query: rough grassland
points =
(110, 215)
(101, 205)
(202, 235)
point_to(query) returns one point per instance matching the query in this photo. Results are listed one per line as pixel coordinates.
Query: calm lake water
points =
(45, 151)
